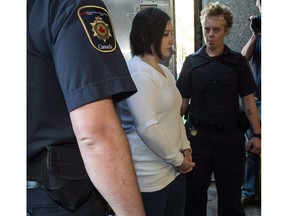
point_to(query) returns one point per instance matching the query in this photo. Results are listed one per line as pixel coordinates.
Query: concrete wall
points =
(240, 31)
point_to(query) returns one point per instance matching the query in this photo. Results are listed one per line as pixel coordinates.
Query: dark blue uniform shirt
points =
(214, 84)
(72, 59)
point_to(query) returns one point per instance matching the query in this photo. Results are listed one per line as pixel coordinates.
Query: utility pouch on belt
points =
(65, 177)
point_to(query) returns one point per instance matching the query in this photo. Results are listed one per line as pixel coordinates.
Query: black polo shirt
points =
(72, 59)
(214, 84)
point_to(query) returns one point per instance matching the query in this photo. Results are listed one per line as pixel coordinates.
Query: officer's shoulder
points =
(232, 56)
(233, 53)
(196, 59)
(195, 54)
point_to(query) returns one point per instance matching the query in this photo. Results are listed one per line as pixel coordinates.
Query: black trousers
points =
(39, 203)
(169, 201)
(223, 153)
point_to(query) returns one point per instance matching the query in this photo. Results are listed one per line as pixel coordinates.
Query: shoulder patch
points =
(98, 27)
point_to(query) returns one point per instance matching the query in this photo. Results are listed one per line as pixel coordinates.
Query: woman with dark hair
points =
(151, 118)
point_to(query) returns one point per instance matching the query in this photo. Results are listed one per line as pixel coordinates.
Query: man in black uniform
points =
(212, 79)
(75, 72)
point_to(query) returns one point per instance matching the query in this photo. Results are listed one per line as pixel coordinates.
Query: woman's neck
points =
(150, 59)
(153, 61)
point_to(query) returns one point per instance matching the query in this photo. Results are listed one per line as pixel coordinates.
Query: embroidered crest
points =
(98, 27)
(101, 29)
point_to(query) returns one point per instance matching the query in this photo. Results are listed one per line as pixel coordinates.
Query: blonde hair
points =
(214, 9)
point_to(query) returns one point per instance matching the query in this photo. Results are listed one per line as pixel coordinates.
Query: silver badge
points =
(193, 131)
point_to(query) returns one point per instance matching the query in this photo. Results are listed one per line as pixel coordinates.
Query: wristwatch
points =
(257, 135)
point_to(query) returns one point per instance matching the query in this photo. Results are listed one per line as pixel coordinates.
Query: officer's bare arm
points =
(106, 154)
(251, 111)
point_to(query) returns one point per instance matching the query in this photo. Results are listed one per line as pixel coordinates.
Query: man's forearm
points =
(248, 49)
(106, 153)
(251, 112)
(117, 182)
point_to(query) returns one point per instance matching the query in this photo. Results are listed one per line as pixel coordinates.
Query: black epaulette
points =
(196, 60)
(233, 58)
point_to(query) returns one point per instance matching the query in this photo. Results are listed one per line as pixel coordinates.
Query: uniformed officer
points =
(212, 79)
(75, 71)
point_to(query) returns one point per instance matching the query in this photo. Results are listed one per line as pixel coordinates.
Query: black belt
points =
(34, 185)
(213, 125)
(34, 177)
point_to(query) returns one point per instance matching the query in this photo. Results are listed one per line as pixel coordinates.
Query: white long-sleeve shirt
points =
(151, 119)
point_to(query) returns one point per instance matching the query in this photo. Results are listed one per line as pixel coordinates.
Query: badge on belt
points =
(193, 131)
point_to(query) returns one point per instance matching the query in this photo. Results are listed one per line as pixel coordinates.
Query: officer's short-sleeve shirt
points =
(214, 84)
(72, 59)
